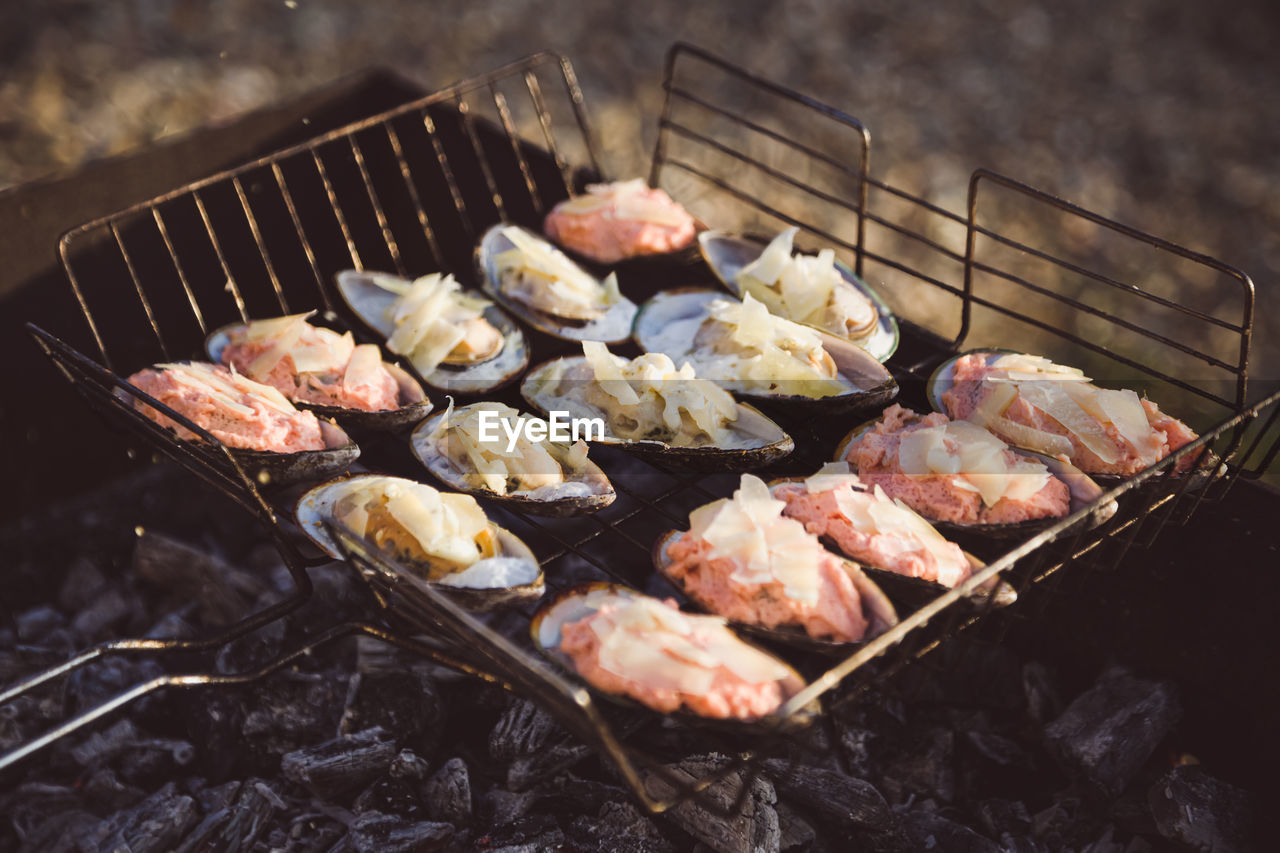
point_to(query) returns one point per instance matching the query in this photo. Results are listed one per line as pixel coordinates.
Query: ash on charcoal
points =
(844, 800)
(373, 832)
(258, 724)
(532, 834)
(1193, 808)
(500, 807)
(154, 825)
(534, 743)
(236, 825)
(404, 702)
(617, 828)
(448, 793)
(711, 816)
(390, 796)
(410, 766)
(1109, 731)
(341, 765)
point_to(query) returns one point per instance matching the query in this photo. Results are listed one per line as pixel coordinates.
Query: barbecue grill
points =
(408, 191)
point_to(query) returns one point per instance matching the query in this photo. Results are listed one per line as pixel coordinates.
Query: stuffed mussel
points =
(538, 283)
(753, 353)
(743, 560)
(321, 370)
(620, 221)
(437, 537)
(1031, 402)
(484, 450)
(959, 476)
(816, 290)
(649, 407)
(455, 340)
(271, 439)
(630, 645)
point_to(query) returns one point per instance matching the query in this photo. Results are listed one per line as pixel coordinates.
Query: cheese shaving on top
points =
(807, 288)
(541, 275)
(431, 318)
(648, 398)
(653, 642)
(313, 349)
(446, 526)
(750, 531)
(749, 348)
(628, 200)
(974, 459)
(528, 466)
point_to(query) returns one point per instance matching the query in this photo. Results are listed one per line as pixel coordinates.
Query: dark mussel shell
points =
(614, 326)
(881, 618)
(569, 605)
(447, 471)
(943, 379)
(764, 441)
(269, 468)
(668, 322)
(1083, 490)
(413, 407)
(369, 302)
(727, 254)
(314, 514)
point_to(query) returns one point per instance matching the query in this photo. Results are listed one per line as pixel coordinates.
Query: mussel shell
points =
(314, 515)
(611, 328)
(773, 443)
(413, 407)
(568, 605)
(1083, 490)
(881, 617)
(943, 379)
(444, 470)
(727, 254)
(915, 592)
(270, 468)
(668, 322)
(370, 302)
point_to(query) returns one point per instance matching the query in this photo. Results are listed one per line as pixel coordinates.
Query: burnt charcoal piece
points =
(410, 766)
(1193, 808)
(236, 825)
(1044, 702)
(36, 624)
(1004, 817)
(999, 750)
(855, 745)
(225, 593)
(796, 831)
(534, 743)
(503, 808)
(403, 702)
(753, 827)
(618, 828)
(253, 650)
(849, 802)
(105, 790)
(569, 795)
(107, 615)
(373, 832)
(341, 765)
(931, 831)
(154, 825)
(284, 713)
(928, 769)
(97, 683)
(1109, 731)
(527, 835)
(60, 833)
(82, 582)
(448, 793)
(390, 796)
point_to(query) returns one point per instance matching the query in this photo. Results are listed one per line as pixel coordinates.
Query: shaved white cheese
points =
(768, 267)
(607, 369)
(1124, 410)
(258, 330)
(830, 476)
(972, 457)
(1051, 399)
(285, 339)
(364, 367)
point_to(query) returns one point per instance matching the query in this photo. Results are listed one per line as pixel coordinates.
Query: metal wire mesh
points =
(409, 191)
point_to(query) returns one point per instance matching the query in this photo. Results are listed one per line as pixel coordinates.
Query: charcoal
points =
(796, 831)
(253, 650)
(175, 625)
(502, 808)
(92, 685)
(37, 623)
(341, 765)
(236, 825)
(855, 748)
(1022, 844)
(410, 766)
(34, 802)
(278, 715)
(373, 832)
(1109, 731)
(224, 592)
(81, 583)
(931, 831)
(25, 660)
(154, 825)
(214, 797)
(1193, 808)
(105, 790)
(448, 793)
(568, 794)
(406, 703)
(102, 746)
(533, 834)
(150, 761)
(973, 673)
(848, 802)
(1044, 702)
(390, 796)
(999, 750)
(752, 827)
(109, 611)
(534, 743)
(60, 833)
(1004, 817)
(928, 768)
(618, 828)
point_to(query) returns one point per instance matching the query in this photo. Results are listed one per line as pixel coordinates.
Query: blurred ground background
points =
(1164, 116)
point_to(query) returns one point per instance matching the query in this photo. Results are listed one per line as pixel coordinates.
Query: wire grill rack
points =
(409, 191)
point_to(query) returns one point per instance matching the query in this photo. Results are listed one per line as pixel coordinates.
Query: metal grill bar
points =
(383, 225)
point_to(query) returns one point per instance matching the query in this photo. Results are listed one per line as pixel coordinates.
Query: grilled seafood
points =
(619, 220)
